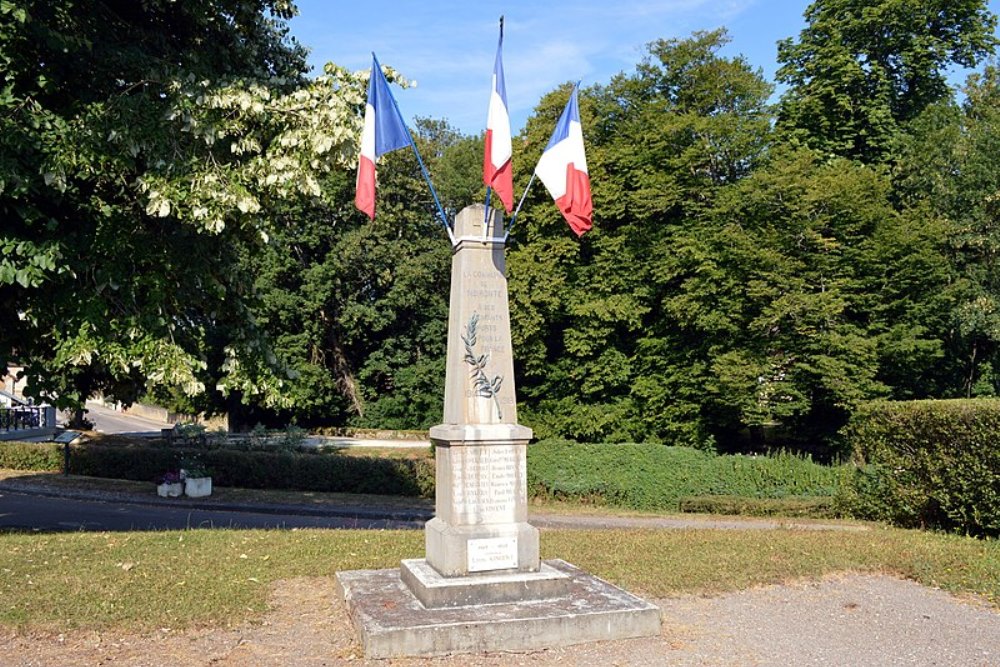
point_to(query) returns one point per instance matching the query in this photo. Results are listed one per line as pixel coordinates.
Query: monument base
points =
(435, 591)
(452, 549)
(392, 622)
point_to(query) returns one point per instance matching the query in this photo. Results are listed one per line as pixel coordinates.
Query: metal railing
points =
(22, 418)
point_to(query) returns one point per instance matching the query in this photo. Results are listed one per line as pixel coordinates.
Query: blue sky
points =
(448, 47)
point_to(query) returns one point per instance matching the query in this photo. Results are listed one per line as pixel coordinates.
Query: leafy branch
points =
(484, 387)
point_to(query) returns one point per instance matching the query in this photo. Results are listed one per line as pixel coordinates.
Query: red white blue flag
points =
(497, 168)
(563, 169)
(384, 131)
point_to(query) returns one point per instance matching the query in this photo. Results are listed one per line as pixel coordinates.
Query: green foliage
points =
(947, 170)
(861, 69)
(810, 294)
(30, 456)
(597, 359)
(179, 222)
(262, 469)
(654, 477)
(818, 508)
(139, 151)
(927, 464)
(192, 467)
(358, 309)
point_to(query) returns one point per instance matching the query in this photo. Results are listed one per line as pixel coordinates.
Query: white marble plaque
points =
(492, 553)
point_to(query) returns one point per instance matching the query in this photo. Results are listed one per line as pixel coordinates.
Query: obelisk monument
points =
(481, 513)
(481, 524)
(481, 585)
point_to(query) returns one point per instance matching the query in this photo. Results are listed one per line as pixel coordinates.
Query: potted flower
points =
(170, 485)
(197, 479)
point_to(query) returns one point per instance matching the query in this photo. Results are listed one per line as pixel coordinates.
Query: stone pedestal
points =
(481, 508)
(482, 585)
(392, 622)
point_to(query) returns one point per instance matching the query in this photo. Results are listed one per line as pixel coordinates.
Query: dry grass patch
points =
(660, 563)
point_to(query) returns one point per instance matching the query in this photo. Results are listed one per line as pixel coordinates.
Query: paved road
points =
(107, 420)
(33, 512)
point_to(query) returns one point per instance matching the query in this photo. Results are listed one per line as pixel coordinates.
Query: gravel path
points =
(867, 621)
(852, 620)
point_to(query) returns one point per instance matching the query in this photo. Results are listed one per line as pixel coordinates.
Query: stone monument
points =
(482, 585)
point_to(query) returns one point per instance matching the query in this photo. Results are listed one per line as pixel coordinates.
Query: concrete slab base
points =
(435, 591)
(392, 622)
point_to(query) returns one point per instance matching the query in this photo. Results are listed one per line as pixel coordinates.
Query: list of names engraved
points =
(486, 484)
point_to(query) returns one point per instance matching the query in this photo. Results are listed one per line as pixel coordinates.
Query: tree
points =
(596, 357)
(947, 169)
(862, 69)
(359, 309)
(142, 145)
(783, 299)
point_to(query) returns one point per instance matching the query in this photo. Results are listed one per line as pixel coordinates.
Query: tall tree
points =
(598, 359)
(358, 309)
(947, 169)
(862, 68)
(141, 144)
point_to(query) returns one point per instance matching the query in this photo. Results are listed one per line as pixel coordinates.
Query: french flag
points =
(563, 169)
(497, 171)
(384, 131)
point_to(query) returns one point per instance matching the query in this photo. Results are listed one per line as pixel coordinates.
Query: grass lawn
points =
(220, 577)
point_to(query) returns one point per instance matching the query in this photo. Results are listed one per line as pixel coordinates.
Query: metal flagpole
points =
(489, 188)
(486, 214)
(420, 161)
(517, 210)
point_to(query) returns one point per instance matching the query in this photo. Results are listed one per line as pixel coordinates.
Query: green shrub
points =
(31, 456)
(262, 469)
(927, 464)
(655, 477)
(799, 506)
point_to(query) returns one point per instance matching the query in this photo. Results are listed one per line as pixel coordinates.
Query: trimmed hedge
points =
(797, 506)
(31, 456)
(929, 464)
(649, 477)
(655, 477)
(262, 469)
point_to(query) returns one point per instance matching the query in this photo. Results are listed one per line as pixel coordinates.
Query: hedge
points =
(31, 456)
(655, 477)
(649, 477)
(797, 506)
(261, 469)
(932, 464)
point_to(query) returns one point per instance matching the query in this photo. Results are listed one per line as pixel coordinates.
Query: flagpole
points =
(486, 214)
(489, 188)
(517, 210)
(420, 161)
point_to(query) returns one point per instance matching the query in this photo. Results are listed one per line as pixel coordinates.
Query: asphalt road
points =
(41, 513)
(107, 420)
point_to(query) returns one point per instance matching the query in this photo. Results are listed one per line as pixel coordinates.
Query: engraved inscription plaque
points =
(492, 553)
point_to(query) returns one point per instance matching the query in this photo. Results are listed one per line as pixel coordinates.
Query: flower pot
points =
(198, 487)
(170, 490)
